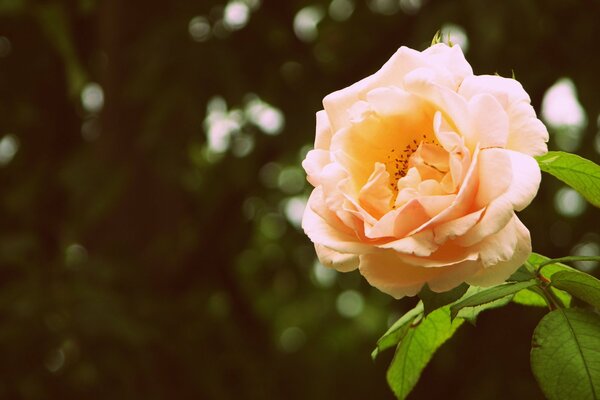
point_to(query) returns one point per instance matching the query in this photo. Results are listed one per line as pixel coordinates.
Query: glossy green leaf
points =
(416, 349)
(489, 295)
(520, 275)
(528, 297)
(581, 174)
(534, 297)
(398, 330)
(432, 300)
(565, 354)
(548, 266)
(470, 313)
(581, 285)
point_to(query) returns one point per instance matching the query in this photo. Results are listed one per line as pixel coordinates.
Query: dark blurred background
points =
(152, 194)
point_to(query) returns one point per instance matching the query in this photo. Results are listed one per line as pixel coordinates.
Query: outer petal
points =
(323, 131)
(343, 262)
(505, 90)
(421, 244)
(330, 233)
(525, 182)
(498, 273)
(457, 227)
(527, 133)
(337, 103)
(314, 163)
(495, 176)
(501, 246)
(452, 59)
(489, 121)
(388, 273)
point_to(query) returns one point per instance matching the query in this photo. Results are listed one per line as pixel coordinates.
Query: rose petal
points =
(505, 90)
(314, 163)
(399, 222)
(388, 273)
(527, 133)
(376, 196)
(338, 103)
(489, 121)
(454, 108)
(329, 233)
(452, 59)
(525, 182)
(495, 175)
(498, 273)
(323, 131)
(342, 262)
(463, 200)
(456, 227)
(421, 244)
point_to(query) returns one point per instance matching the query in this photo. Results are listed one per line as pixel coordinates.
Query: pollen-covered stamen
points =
(398, 160)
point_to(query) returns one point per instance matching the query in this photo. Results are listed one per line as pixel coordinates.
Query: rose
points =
(418, 171)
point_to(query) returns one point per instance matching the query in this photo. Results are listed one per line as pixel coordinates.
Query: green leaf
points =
(489, 295)
(471, 313)
(432, 300)
(581, 285)
(549, 266)
(522, 274)
(398, 330)
(534, 297)
(417, 348)
(565, 354)
(581, 174)
(528, 297)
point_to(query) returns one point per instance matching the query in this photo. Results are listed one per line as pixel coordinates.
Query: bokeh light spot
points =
(411, 7)
(350, 303)
(306, 22)
(75, 255)
(272, 226)
(341, 10)
(9, 145)
(269, 174)
(266, 117)
(236, 15)
(292, 339)
(294, 210)
(199, 29)
(456, 35)
(323, 276)
(92, 97)
(586, 248)
(55, 360)
(291, 180)
(564, 115)
(384, 7)
(569, 203)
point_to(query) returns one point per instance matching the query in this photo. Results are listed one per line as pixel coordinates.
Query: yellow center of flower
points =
(398, 159)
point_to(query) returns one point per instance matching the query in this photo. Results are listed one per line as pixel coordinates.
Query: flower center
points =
(398, 159)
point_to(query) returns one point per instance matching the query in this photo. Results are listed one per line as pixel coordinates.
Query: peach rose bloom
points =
(418, 171)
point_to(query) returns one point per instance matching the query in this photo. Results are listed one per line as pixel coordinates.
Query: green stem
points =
(551, 299)
(567, 259)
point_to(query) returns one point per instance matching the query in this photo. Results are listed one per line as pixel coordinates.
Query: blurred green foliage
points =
(149, 171)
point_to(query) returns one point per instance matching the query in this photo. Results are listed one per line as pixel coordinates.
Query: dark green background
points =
(134, 266)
